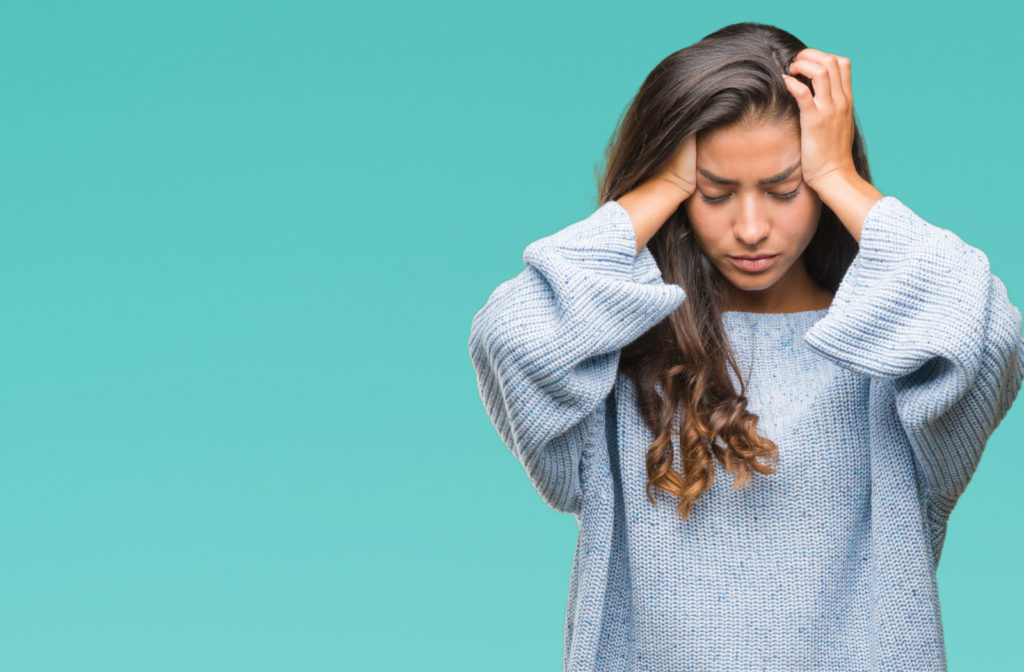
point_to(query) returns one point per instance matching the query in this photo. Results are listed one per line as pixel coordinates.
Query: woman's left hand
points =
(826, 118)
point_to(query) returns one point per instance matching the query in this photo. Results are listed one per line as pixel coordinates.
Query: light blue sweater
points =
(881, 406)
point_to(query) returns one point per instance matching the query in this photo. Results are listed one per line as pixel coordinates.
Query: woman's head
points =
(751, 201)
(728, 90)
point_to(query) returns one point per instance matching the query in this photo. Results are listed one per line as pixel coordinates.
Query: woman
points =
(859, 371)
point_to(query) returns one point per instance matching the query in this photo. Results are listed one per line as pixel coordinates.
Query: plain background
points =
(242, 243)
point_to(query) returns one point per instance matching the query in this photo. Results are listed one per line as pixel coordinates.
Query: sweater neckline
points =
(774, 317)
(771, 325)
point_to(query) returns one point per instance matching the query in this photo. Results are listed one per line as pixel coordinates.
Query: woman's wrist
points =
(848, 195)
(650, 205)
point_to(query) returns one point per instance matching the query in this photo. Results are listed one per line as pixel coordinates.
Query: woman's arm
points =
(653, 202)
(848, 195)
(545, 346)
(920, 307)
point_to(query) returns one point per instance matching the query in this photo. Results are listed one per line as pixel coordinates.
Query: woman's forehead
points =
(749, 154)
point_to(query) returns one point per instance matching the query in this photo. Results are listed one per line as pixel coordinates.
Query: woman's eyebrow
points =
(768, 180)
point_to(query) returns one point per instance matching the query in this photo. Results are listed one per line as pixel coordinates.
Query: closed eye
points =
(780, 197)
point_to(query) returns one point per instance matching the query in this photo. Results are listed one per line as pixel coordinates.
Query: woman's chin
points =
(750, 282)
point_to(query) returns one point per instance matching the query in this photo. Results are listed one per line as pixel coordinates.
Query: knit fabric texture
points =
(881, 406)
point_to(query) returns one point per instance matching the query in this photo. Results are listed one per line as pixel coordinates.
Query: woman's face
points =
(748, 218)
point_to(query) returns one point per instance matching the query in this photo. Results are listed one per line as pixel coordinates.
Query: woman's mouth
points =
(753, 265)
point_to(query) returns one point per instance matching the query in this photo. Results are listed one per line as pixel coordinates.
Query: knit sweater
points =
(880, 405)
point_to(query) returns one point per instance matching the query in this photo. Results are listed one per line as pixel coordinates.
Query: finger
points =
(810, 52)
(690, 160)
(818, 74)
(844, 72)
(839, 99)
(811, 56)
(800, 91)
(839, 71)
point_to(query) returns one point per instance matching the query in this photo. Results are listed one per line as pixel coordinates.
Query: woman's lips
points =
(753, 265)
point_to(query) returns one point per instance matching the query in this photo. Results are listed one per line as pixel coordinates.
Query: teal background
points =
(242, 243)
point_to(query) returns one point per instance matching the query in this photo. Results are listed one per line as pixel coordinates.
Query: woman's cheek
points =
(688, 206)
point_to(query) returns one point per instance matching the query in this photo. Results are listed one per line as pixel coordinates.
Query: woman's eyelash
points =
(781, 197)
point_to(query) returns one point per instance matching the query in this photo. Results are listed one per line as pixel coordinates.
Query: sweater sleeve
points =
(920, 307)
(545, 346)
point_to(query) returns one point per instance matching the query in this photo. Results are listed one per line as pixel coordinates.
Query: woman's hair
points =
(732, 76)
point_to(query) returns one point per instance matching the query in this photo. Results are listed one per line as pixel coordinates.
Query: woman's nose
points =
(751, 224)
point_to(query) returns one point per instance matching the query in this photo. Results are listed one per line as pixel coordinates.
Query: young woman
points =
(847, 378)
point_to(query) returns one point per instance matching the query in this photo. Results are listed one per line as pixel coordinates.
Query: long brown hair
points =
(732, 76)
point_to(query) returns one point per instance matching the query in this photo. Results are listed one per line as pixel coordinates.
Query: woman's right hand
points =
(681, 168)
(653, 202)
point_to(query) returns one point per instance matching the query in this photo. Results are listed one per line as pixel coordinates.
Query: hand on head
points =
(681, 168)
(826, 116)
